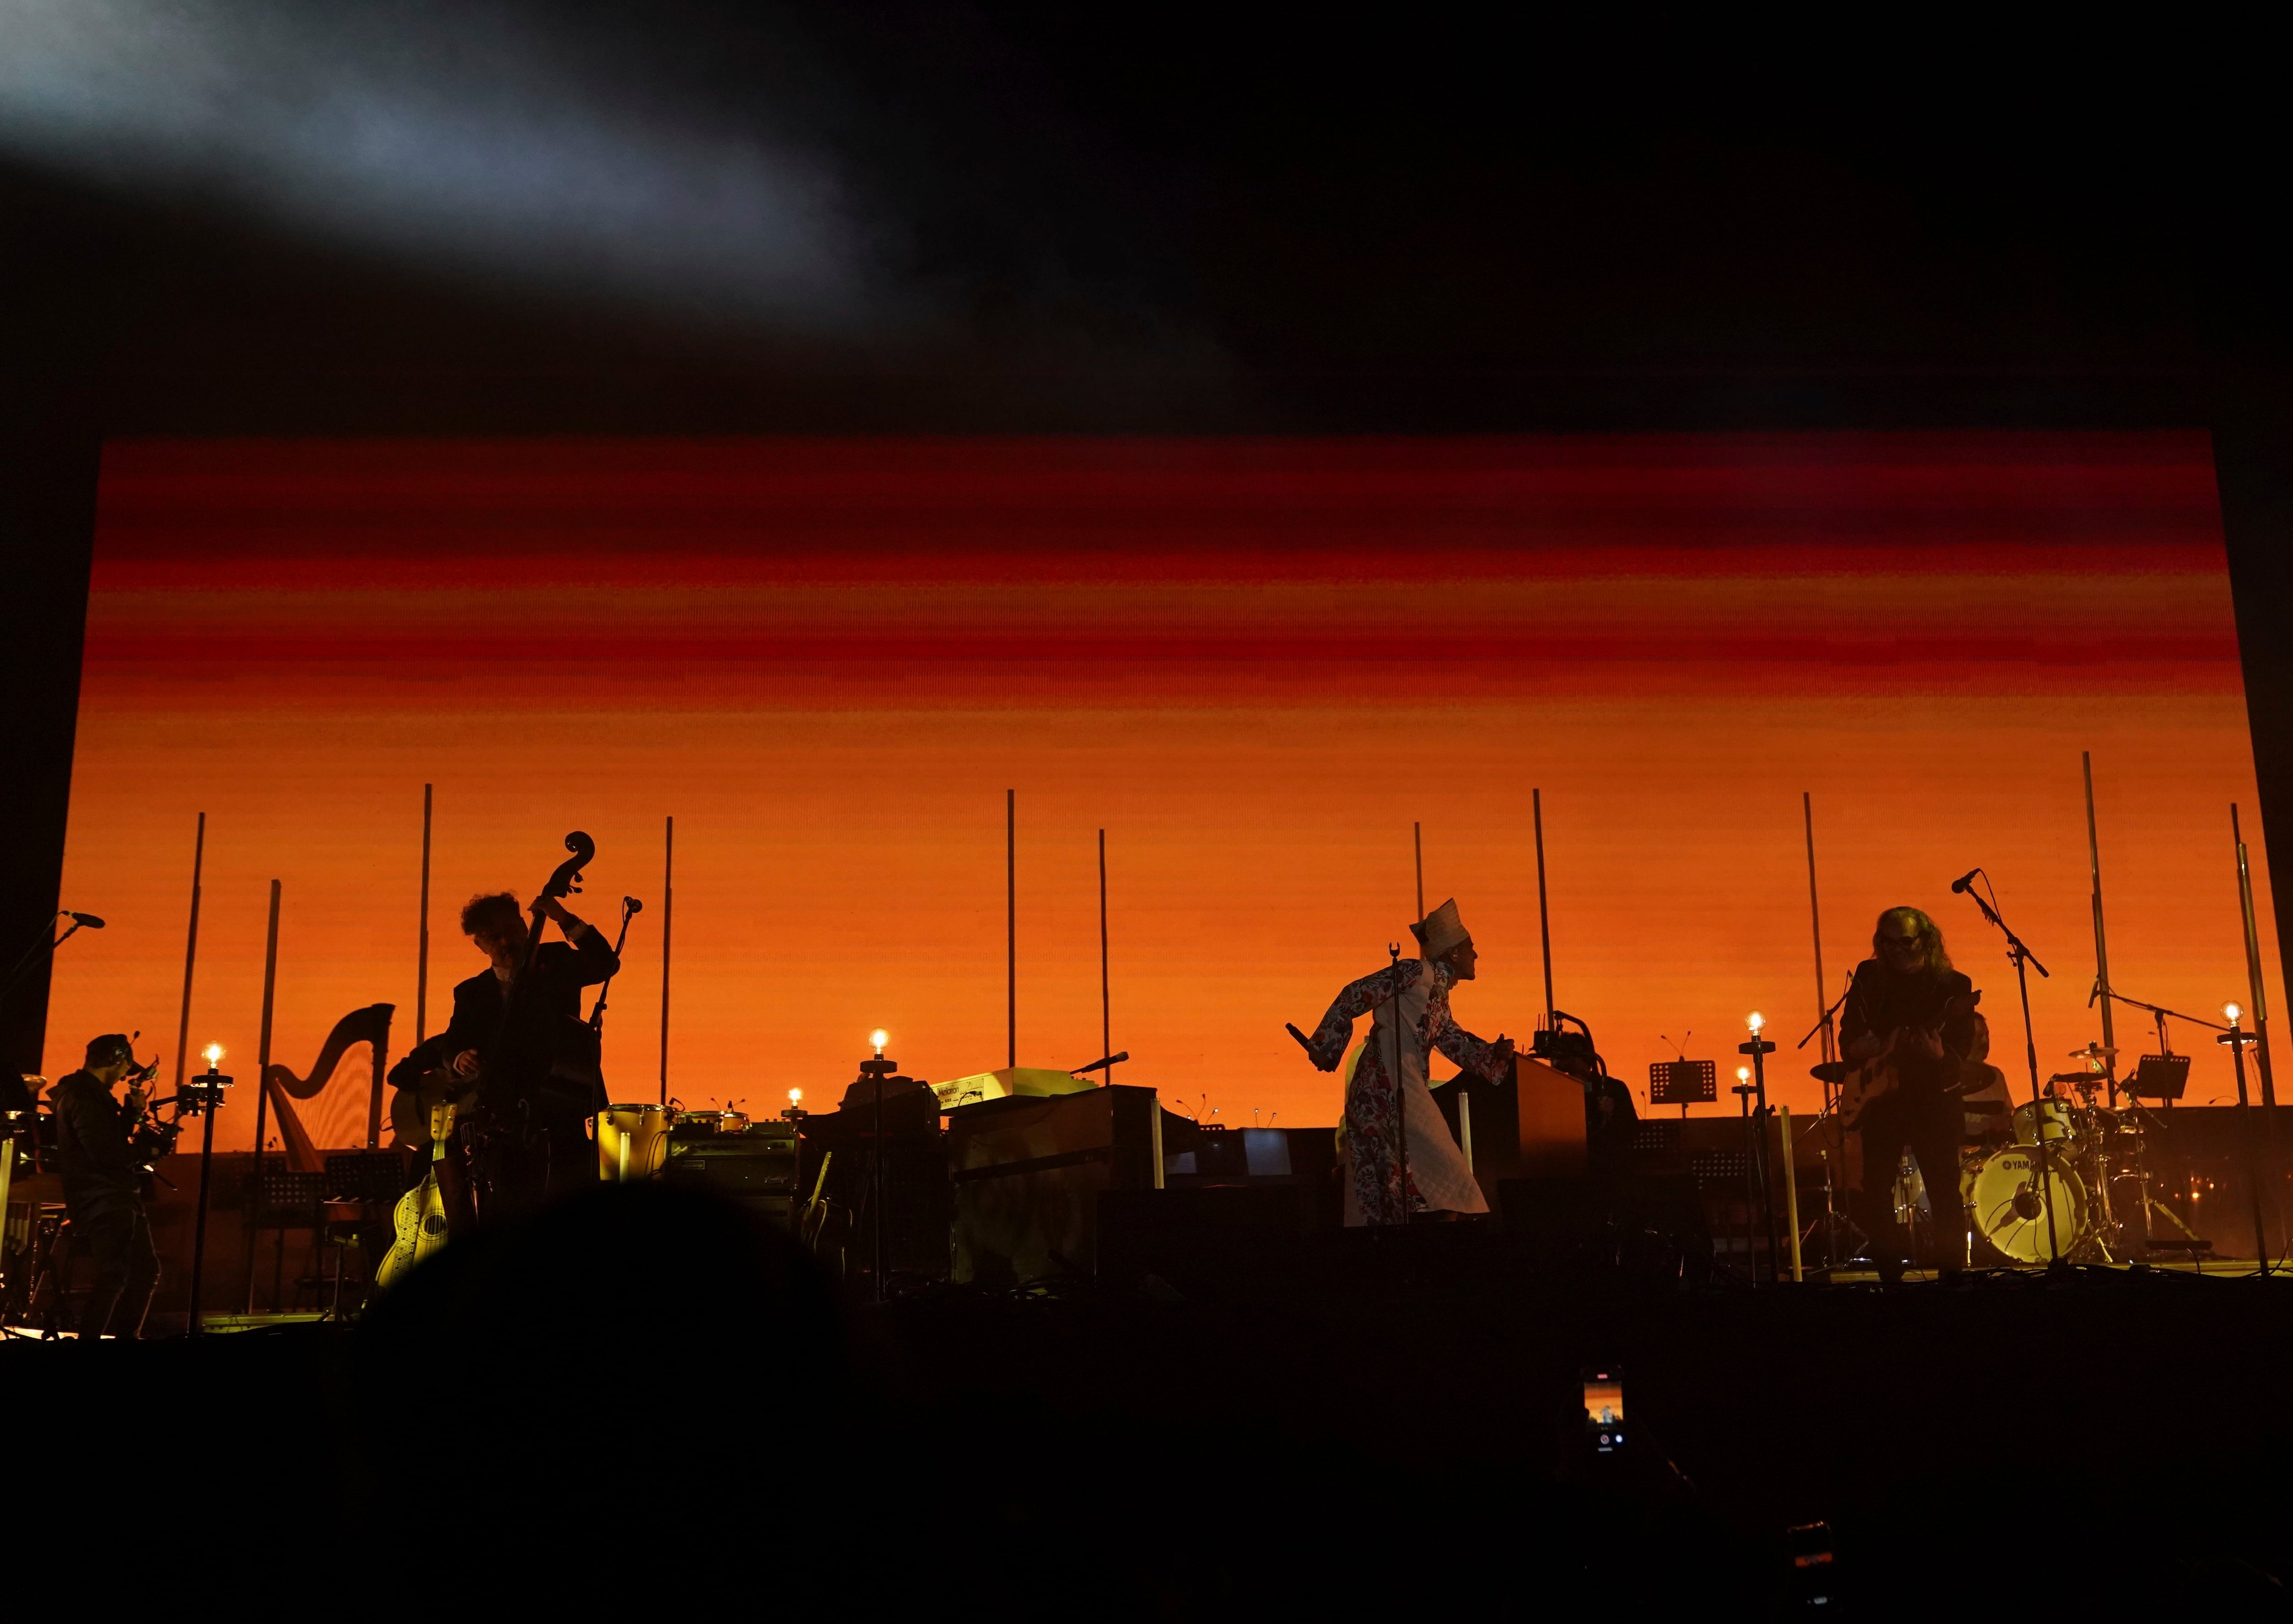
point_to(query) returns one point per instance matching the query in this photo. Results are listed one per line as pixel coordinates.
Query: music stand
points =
(1683, 1082)
(2159, 1076)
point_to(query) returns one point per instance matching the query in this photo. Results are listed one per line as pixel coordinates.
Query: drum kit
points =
(2076, 1152)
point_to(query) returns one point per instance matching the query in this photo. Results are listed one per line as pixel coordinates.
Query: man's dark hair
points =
(492, 915)
(109, 1050)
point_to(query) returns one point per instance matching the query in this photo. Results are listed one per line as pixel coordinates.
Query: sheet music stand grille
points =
(2159, 1076)
(1683, 1082)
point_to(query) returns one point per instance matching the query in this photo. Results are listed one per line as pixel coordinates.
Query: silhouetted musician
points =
(542, 1082)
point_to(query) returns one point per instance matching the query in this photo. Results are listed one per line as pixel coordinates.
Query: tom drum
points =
(632, 1141)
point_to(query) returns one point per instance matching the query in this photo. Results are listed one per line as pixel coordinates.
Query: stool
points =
(346, 1221)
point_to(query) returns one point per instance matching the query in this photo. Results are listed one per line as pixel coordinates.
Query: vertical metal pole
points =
(876, 1186)
(1105, 1006)
(191, 952)
(200, 1229)
(1815, 922)
(1743, 1092)
(668, 916)
(422, 953)
(1760, 1048)
(2237, 1041)
(1011, 923)
(1829, 1046)
(2037, 1106)
(262, 1087)
(2257, 991)
(2100, 941)
(2257, 996)
(1544, 916)
(1417, 840)
(1791, 1190)
(373, 1092)
(1400, 1089)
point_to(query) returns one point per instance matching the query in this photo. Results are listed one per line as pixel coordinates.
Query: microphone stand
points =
(630, 908)
(2159, 1014)
(32, 951)
(1824, 1024)
(2020, 952)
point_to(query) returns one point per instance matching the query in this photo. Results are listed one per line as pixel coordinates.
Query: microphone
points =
(88, 919)
(632, 904)
(1959, 885)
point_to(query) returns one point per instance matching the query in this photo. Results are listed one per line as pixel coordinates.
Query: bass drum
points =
(2005, 1204)
(632, 1141)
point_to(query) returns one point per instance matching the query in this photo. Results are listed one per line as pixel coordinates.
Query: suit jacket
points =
(548, 1008)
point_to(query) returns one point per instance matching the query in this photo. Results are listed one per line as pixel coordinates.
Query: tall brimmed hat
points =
(1442, 932)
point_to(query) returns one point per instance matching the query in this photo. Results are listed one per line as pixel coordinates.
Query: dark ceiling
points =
(1192, 218)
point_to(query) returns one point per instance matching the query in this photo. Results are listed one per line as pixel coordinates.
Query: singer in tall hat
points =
(1413, 997)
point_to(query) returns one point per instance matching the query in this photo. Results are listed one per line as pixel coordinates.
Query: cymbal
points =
(2094, 1052)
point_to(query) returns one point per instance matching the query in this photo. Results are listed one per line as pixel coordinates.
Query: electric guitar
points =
(1863, 1084)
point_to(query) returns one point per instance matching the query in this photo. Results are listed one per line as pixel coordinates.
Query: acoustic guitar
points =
(419, 1219)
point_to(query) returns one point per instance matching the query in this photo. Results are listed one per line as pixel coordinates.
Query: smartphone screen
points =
(1604, 1408)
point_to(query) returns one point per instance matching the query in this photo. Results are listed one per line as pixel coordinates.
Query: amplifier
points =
(757, 1168)
(1027, 1173)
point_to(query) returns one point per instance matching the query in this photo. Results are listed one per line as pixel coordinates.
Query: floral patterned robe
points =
(1439, 1178)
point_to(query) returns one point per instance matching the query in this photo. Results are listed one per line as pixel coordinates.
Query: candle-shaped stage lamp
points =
(1758, 1048)
(876, 1069)
(203, 1094)
(2236, 1037)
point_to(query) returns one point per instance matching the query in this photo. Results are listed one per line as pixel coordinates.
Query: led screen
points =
(1255, 664)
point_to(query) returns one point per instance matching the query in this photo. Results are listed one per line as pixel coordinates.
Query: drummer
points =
(1908, 1004)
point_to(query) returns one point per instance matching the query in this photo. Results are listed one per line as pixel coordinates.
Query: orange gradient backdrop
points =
(1253, 663)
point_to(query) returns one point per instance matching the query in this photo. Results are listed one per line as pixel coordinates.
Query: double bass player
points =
(535, 1061)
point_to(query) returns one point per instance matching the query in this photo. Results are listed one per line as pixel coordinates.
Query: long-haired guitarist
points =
(1910, 1011)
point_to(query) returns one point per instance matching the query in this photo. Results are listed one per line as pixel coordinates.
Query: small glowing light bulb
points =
(1755, 1021)
(2233, 1012)
(1742, 1074)
(879, 1038)
(796, 1096)
(214, 1053)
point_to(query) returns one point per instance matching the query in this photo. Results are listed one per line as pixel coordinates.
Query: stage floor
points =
(1322, 1427)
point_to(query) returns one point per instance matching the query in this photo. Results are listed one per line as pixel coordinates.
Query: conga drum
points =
(632, 1141)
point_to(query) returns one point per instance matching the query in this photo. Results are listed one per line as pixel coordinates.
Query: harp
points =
(370, 1025)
